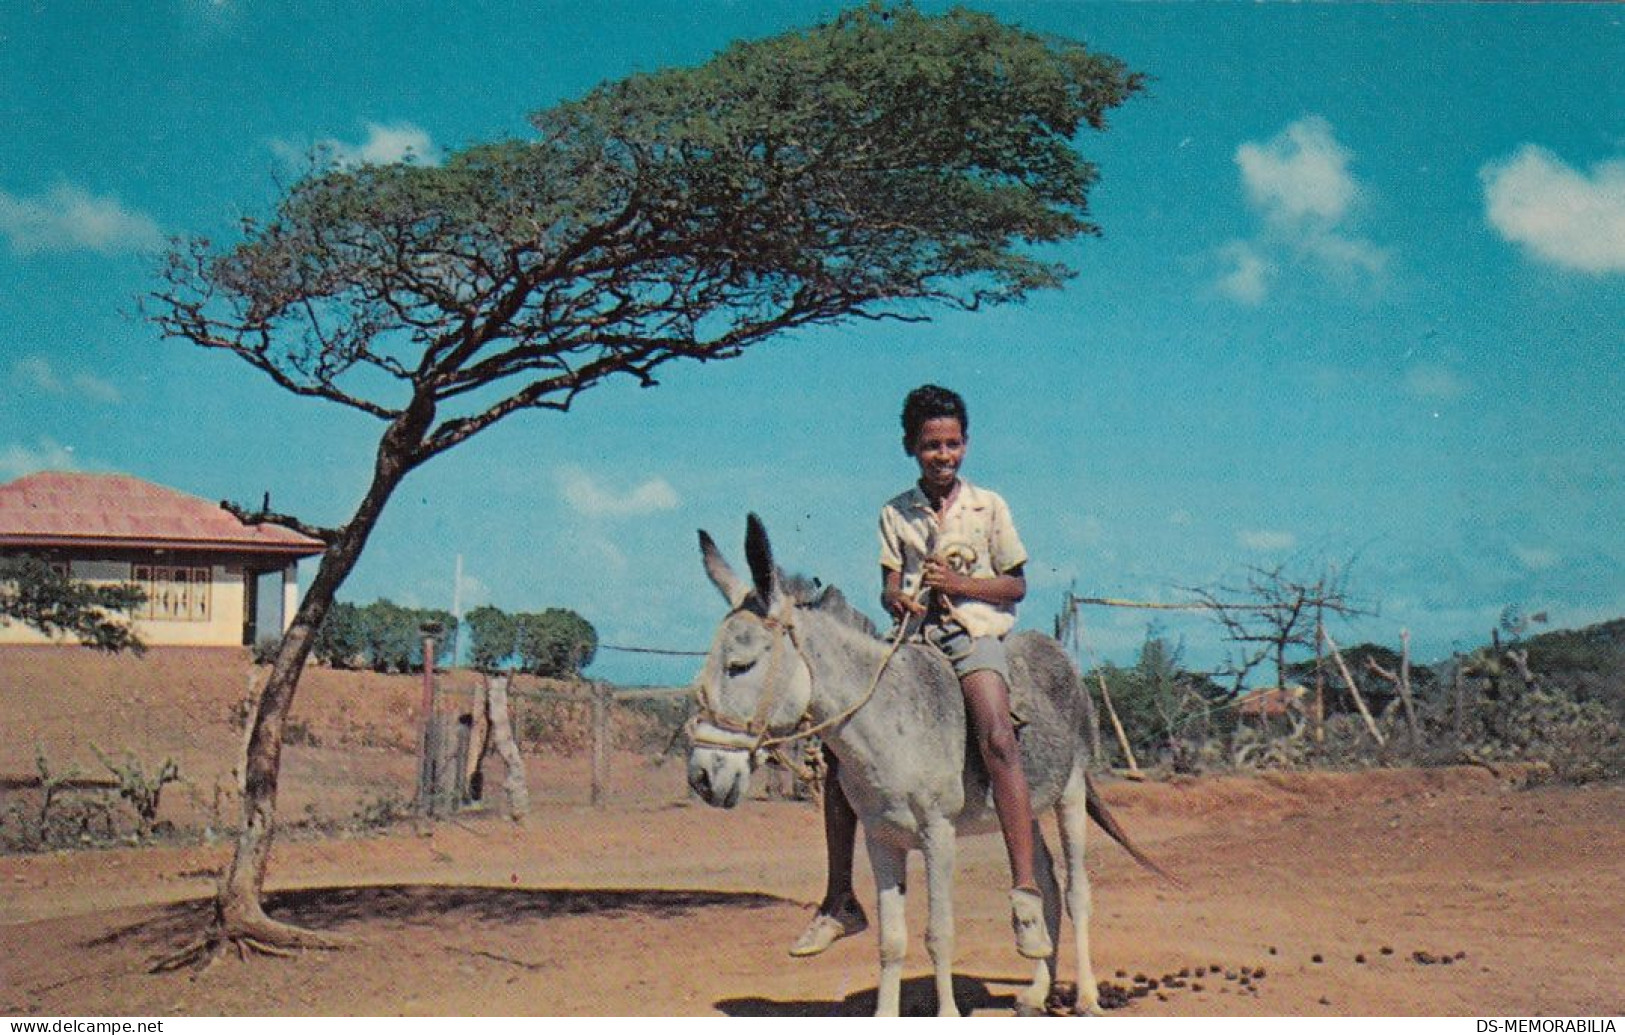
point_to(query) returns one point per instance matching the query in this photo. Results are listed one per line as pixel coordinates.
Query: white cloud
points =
(1559, 214)
(68, 218)
(48, 455)
(588, 497)
(1300, 186)
(1266, 540)
(1536, 558)
(384, 145)
(1431, 381)
(1248, 277)
(1300, 174)
(38, 372)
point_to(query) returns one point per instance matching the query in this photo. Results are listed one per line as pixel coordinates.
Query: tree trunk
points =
(501, 727)
(1354, 690)
(239, 911)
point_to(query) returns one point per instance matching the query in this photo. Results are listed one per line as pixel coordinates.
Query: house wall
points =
(194, 600)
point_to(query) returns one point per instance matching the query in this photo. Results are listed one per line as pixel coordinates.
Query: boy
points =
(950, 560)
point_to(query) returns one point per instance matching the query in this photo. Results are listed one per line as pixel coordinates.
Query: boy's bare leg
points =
(839, 913)
(987, 699)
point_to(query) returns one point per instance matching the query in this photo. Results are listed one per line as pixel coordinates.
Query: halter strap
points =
(752, 735)
(757, 726)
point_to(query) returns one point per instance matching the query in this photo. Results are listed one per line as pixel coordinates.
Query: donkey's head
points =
(756, 683)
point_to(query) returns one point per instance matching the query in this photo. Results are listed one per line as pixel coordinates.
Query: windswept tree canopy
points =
(858, 169)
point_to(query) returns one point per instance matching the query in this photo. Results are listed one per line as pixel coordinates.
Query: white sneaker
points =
(825, 930)
(1027, 917)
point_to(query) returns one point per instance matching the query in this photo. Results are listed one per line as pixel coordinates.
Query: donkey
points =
(789, 651)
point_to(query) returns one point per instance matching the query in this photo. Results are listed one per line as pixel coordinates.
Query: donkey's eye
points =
(739, 667)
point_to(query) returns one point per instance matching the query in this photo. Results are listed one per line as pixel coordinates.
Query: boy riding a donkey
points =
(896, 718)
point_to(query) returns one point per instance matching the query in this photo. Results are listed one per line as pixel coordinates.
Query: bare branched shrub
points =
(51, 783)
(142, 791)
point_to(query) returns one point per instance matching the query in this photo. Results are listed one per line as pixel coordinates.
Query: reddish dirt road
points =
(1322, 886)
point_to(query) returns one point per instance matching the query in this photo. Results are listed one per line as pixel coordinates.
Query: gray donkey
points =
(787, 652)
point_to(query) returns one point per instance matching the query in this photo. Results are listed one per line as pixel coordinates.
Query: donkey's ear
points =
(731, 586)
(759, 555)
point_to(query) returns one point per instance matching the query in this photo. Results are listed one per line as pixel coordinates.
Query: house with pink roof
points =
(210, 579)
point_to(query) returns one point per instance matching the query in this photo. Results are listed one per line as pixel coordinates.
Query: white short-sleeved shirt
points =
(977, 537)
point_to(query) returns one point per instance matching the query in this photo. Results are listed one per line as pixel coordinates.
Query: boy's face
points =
(939, 448)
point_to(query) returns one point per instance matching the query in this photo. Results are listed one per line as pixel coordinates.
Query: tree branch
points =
(265, 516)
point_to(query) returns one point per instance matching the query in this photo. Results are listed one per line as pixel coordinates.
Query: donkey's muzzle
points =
(719, 777)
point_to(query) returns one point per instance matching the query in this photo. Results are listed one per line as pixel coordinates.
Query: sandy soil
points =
(1306, 894)
(1325, 886)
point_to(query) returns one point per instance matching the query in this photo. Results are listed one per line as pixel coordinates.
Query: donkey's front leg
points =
(890, 866)
(939, 847)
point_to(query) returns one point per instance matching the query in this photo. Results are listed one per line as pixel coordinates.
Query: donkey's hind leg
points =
(1073, 812)
(1030, 1002)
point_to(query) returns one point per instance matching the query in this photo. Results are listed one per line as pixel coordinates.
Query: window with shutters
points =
(174, 593)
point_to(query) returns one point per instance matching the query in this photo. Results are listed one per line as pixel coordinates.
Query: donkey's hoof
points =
(1030, 1002)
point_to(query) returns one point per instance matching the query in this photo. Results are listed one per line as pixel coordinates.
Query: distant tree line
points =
(556, 643)
(382, 636)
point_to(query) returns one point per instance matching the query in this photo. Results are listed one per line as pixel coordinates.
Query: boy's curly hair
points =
(928, 402)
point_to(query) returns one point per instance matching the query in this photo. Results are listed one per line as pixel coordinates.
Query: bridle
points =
(755, 735)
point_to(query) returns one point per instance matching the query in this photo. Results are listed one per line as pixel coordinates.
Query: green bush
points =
(493, 638)
(384, 636)
(339, 641)
(556, 643)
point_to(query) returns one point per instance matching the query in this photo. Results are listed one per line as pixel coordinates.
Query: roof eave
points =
(149, 543)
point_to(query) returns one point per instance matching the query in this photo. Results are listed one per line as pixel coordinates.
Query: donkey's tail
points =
(1108, 822)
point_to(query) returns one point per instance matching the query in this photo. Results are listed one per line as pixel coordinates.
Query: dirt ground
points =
(1324, 886)
(1440, 892)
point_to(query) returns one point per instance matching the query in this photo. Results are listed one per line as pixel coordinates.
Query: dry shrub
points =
(565, 727)
(1579, 742)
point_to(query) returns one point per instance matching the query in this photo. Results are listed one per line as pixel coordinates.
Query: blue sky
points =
(1360, 302)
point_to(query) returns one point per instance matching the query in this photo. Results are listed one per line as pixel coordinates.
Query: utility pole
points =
(457, 612)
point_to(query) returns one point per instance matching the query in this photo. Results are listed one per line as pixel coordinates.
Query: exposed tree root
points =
(260, 936)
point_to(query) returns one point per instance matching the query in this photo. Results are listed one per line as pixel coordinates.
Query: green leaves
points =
(555, 643)
(857, 169)
(36, 595)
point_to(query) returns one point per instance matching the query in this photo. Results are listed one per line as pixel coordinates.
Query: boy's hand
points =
(935, 574)
(901, 605)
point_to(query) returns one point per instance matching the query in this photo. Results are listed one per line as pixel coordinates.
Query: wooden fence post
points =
(1458, 703)
(600, 742)
(479, 736)
(428, 741)
(1405, 689)
(1320, 680)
